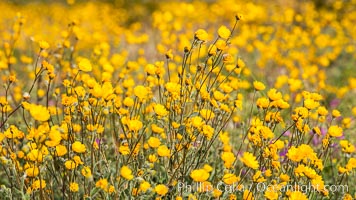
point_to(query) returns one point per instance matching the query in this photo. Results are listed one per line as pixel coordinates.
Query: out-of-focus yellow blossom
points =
(207, 114)
(258, 85)
(39, 184)
(126, 173)
(161, 189)
(347, 147)
(39, 113)
(70, 164)
(163, 151)
(141, 92)
(78, 147)
(199, 175)
(144, 186)
(134, 125)
(160, 110)
(224, 32)
(230, 179)
(85, 65)
(249, 160)
(74, 187)
(335, 131)
(201, 34)
(43, 44)
(86, 172)
(154, 142)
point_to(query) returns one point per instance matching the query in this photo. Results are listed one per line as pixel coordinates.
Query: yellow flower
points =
(257, 177)
(102, 183)
(157, 129)
(348, 197)
(35, 155)
(224, 32)
(173, 88)
(150, 69)
(240, 63)
(54, 136)
(61, 150)
(32, 171)
(154, 142)
(129, 102)
(218, 96)
(134, 192)
(70, 164)
(161, 189)
(353, 110)
(169, 54)
(322, 111)
(207, 168)
(228, 158)
(39, 113)
(342, 170)
(134, 125)
(86, 172)
(265, 132)
(160, 110)
(78, 147)
(268, 173)
(37, 184)
(144, 186)
(152, 158)
(163, 151)
(304, 151)
(346, 122)
(284, 177)
(274, 95)
(271, 195)
(221, 46)
(316, 130)
(249, 160)
(247, 195)
(227, 58)
(262, 102)
(199, 175)
(208, 131)
(73, 187)
(335, 113)
(300, 113)
(230, 178)
(207, 114)
(126, 173)
(197, 122)
(43, 44)
(297, 195)
(12, 132)
(347, 147)
(212, 50)
(311, 104)
(351, 164)
(141, 92)
(258, 85)
(111, 189)
(85, 65)
(124, 149)
(335, 131)
(201, 34)
(77, 160)
(217, 193)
